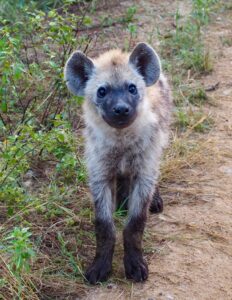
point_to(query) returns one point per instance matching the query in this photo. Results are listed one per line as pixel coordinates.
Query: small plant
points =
(122, 209)
(130, 13)
(202, 10)
(187, 92)
(195, 120)
(182, 119)
(71, 260)
(197, 96)
(20, 250)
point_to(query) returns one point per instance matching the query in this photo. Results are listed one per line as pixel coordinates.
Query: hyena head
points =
(115, 83)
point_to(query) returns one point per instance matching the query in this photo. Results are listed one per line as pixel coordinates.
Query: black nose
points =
(121, 110)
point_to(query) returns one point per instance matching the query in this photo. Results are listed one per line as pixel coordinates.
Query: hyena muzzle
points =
(126, 110)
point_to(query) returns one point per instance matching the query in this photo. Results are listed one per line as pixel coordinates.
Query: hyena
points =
(126, 111)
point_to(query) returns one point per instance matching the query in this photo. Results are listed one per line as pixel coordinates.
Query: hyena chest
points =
(124, 164)
(126, 160)
(119, 155)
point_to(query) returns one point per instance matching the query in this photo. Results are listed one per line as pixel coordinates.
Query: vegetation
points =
(187, 58)
(46, 220)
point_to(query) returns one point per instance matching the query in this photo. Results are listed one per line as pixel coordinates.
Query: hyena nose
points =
(121, 110)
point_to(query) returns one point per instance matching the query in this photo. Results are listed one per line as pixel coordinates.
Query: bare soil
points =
(192, 239)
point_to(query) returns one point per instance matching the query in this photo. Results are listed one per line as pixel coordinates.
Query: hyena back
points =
(126, 110)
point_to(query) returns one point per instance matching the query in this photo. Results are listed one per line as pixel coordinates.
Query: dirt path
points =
(193, 237)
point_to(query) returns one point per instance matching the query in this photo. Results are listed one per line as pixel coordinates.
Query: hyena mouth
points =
(119, 123)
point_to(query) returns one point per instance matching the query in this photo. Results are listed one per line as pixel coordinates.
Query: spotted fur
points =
(133, 152)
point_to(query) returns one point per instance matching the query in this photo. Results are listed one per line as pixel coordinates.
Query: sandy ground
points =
(193, 237)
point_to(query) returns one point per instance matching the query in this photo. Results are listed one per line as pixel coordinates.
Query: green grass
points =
(185, 44)
(197, 120)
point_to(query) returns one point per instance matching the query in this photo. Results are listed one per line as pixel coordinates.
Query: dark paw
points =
(156, 204)
(98, 271)
(135, 267)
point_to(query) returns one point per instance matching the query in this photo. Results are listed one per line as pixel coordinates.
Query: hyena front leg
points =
(101, 266)
(135, 266)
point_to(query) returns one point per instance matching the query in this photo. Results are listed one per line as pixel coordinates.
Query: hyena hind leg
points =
(122, 193)
(156, 205)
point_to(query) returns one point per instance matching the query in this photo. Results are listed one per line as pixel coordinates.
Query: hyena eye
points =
(132, 89)
(101, 92)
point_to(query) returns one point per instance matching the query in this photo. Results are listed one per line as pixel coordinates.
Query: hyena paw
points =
(135, 267)
(156, 205)
(98, 271)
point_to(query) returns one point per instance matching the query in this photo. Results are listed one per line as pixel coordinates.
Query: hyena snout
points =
(121, 110)
(120, 115)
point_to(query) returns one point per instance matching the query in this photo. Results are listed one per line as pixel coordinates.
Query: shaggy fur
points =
(129, 156)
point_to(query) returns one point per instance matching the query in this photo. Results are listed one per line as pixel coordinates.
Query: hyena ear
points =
(77, 71)
(147, 63)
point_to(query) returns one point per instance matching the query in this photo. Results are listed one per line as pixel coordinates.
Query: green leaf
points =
(87, 21)
(4, 106)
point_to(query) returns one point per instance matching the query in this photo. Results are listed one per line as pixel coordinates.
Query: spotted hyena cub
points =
(126, 110)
